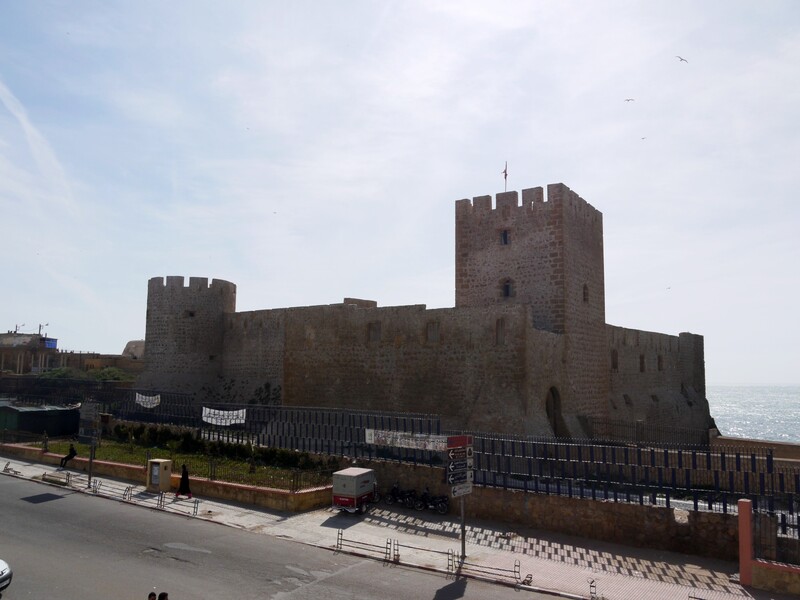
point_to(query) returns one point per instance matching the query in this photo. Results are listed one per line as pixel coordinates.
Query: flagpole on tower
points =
(505, 177)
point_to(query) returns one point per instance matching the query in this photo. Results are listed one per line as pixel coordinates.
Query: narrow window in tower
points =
(641, 363)
(500, 332)
(585, 293)
(660, 363)
(374, 332)
(614, 361)
(505, 237)
(432, 332)
(507, 289)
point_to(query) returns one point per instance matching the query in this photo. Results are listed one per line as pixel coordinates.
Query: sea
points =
(756, 412)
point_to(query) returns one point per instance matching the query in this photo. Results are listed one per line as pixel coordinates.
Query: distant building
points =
(30, 353)
(526, 348)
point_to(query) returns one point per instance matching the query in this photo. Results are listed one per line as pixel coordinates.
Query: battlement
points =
(559, 196)
(197, 284)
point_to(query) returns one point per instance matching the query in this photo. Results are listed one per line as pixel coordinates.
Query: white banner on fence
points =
(224, 417)
(148, 401)
(401, 439)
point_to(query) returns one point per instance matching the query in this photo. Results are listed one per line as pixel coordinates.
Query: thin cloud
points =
(46, 160)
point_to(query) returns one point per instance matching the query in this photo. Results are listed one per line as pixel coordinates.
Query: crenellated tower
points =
(185, 331)
(547, 254)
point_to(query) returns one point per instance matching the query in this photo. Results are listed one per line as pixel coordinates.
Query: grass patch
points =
(225, 469)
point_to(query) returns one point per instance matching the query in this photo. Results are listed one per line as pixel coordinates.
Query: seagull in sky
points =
(681, 59)
(629, 99)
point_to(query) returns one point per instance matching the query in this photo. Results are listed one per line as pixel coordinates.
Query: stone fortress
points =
(525, 350)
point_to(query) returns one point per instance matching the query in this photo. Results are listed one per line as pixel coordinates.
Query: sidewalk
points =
(527, 559)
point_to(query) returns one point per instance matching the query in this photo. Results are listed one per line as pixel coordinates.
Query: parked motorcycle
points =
(400, 496)
(440, 504)
(410, 498)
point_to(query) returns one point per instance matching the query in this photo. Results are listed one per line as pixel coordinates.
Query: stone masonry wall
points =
(528, 256)
(653, 378)
(254, 349)
(584, 307)
(451, 362)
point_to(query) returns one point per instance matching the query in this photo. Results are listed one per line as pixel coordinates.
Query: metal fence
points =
(639, 432)
(775, 536)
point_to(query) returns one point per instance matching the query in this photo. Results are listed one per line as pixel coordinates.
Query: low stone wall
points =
(782, 450)
(274, 499)
(700, 533)
(776, 577)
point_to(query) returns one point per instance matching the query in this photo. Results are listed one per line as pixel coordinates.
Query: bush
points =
(186, 442)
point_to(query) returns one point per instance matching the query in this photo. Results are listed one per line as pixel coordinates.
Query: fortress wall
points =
(459, 363)
(254, 349)
(654, 378)
(184, 331)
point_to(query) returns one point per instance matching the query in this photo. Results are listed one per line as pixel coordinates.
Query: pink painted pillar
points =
(745, 542)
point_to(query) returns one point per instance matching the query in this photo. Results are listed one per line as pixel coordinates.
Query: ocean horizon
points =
(759, 412)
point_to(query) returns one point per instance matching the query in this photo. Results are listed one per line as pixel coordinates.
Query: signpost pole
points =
(463, 533)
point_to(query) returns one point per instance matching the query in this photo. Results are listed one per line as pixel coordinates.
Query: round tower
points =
(185, 329)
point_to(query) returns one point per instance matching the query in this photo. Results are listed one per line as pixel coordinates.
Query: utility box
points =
(354, 489)
(159, 472)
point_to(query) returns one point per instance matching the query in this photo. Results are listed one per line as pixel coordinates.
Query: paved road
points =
(68, 545)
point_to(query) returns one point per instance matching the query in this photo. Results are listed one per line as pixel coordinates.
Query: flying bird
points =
(681, 59)
(629, 99)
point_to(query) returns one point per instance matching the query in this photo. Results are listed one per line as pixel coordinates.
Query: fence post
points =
(745, 542)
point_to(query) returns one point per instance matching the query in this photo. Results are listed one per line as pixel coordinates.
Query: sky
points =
(311, 151)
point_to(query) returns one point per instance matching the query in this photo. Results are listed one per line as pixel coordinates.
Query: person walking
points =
(151, 596)
(164, 595)
(183, 488)
(70, 455)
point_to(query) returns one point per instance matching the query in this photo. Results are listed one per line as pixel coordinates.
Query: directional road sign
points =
(462, 489)
(460, 465)
(460, 477)
(462, 452)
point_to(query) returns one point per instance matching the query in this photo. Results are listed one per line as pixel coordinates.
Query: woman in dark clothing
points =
(183, 488)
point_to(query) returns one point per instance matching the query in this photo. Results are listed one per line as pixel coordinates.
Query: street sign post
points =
(459, 475)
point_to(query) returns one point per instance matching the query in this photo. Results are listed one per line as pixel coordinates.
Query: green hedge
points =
(186, 442)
